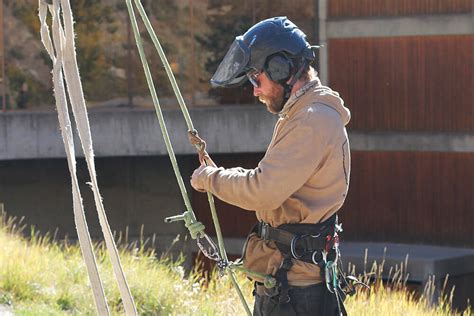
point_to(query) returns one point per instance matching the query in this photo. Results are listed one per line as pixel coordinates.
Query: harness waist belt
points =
(285, 238)
(305, 242)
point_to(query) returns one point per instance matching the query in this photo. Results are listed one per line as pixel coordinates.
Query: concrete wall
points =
(138, 193)
(136, 132)
(236, 129)
(136, 190)
(134, 172)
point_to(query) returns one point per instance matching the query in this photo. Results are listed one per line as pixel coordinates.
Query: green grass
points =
(42, 277)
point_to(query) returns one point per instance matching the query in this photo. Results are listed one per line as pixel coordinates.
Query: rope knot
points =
(197, 141)
(200, 145)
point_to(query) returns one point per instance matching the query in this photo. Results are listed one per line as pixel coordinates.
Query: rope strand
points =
(65, 62)
(67, 136)
(189, 123)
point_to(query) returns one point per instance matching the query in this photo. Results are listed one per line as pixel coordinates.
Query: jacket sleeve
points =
(292, 158)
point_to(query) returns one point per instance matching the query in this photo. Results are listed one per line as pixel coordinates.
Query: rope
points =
(65, 59)
(189, 214)
(66, 133)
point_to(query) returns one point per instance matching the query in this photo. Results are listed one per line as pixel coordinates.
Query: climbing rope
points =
(217, 254)
(64, 60)
(63, 55)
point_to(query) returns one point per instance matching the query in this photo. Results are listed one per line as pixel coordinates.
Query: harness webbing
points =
(64, 60)
(189, 212)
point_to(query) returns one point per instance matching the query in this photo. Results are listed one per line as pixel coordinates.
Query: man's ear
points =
(278, 67)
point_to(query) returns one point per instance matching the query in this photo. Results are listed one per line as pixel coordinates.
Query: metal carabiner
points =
(323, 253)
(293, 246)
(211, 251)
(329, 276)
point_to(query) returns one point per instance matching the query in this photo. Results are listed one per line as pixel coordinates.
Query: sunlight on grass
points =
(39, 276)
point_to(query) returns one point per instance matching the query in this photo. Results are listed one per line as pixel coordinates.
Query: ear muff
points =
(278, 68)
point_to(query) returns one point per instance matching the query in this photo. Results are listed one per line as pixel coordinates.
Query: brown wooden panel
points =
(413, 197)
(360, 8)
(406, 83)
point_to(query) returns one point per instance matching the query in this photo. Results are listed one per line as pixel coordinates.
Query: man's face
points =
(269, 93)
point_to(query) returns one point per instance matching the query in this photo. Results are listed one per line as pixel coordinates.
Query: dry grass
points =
(41, 277)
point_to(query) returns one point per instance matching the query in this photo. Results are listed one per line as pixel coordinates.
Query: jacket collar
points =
(297, 96)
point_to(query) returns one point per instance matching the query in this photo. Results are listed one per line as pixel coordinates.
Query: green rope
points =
(186, 115)
(164, 131)
(268, 280)
(158, 111)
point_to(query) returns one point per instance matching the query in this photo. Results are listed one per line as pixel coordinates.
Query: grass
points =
(40, 276)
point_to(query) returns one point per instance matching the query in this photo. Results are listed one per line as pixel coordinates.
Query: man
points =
(302, 180)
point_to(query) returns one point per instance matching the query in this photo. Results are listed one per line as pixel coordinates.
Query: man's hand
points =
(198, 178)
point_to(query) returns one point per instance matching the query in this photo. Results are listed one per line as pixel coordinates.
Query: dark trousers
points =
(309, 300)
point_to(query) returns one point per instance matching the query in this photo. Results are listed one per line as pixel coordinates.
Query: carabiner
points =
(293, 246)
(323, 254)
(328, 275)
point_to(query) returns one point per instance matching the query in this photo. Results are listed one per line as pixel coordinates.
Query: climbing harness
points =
(62, 52)
(312, 243)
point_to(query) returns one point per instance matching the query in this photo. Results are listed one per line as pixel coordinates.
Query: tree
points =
(226, 19)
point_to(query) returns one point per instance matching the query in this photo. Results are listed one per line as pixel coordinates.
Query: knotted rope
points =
(188, 216)
(63, 55)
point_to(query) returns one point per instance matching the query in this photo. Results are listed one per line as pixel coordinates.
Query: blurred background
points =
(404, 68)
(194, 34)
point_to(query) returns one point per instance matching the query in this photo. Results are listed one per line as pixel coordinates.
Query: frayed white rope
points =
(65, 59)
(66, 133)
(76, 96)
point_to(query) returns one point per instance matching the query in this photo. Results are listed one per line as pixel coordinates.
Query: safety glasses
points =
(253, 78)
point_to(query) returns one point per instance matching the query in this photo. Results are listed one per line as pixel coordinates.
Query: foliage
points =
(226, 21)
(93, 20)
(394, 297)
(21, 9)
(101, 42)
(39, 275)
(37, 93)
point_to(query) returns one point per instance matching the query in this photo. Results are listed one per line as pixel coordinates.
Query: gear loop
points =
(293, 246)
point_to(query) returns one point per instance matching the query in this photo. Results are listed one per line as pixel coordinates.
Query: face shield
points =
(231, 71)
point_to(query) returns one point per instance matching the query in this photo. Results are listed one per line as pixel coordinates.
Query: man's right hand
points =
(198, 179)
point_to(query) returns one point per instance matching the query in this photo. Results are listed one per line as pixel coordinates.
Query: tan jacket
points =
(303, 177)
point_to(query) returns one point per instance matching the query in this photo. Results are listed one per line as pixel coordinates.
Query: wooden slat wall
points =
(413, 197)
(406, 83)
(361, 8)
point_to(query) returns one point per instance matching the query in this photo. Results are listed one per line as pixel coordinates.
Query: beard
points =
(274, 102)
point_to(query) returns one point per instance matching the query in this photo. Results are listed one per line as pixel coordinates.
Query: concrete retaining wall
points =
(231, 129)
